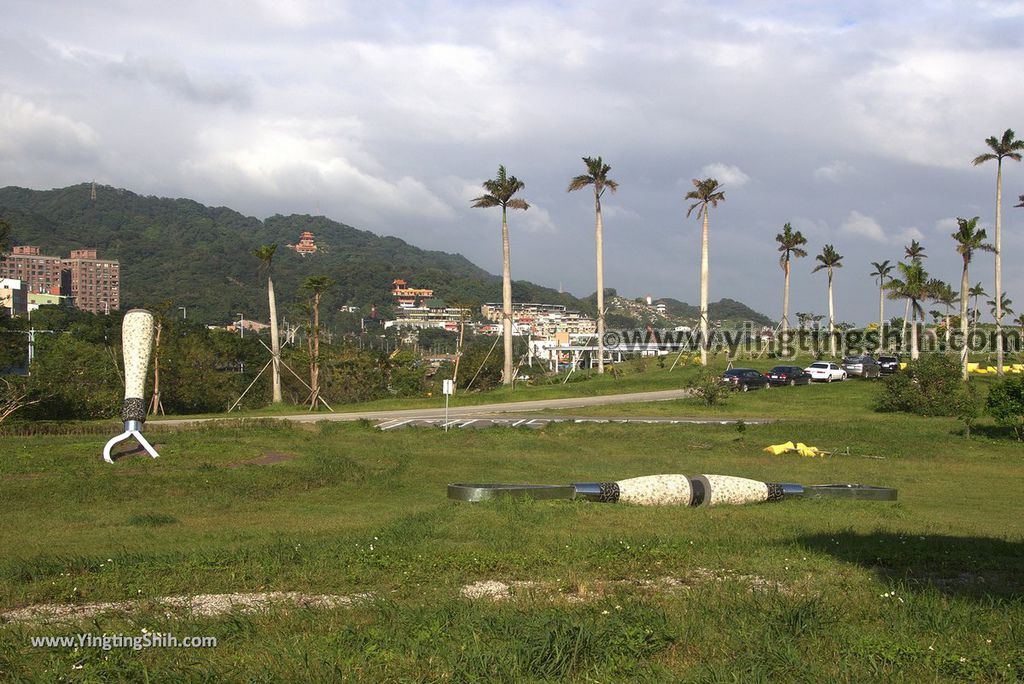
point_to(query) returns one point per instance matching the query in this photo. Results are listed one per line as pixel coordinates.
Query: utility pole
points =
(184, 313)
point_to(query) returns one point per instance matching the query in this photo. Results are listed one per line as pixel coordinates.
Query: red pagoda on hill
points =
(306, 244)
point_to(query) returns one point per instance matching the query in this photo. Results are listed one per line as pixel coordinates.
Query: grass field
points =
(925, 589)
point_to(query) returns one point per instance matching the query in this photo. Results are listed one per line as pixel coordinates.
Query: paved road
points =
(466, 411)
(536, 422)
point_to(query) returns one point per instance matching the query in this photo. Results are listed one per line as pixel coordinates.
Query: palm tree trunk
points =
(314, 369)
(907, 314)
(999, 269)
(155, 406)
(458, 348)
(913, 334)
(704, 290)
(881, 313)
(600, 283)
(831, 318)
(785, 301)
(506, 300)
(275, 341)
(963, 321)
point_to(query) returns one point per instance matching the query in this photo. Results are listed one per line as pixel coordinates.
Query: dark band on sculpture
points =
(133, 409)
(775, 491)
(699, 491)
(609, 492)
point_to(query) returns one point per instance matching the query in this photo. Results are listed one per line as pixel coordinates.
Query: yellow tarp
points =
(790, 447)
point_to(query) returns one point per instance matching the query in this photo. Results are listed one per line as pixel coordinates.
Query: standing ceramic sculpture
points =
(137, 342)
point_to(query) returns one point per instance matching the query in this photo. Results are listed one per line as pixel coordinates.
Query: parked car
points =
(788, 375)
(888, 364)
(863, 366)
(744, 379)
(826, 371)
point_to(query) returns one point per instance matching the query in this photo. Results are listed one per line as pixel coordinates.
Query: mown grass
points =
(927, 588)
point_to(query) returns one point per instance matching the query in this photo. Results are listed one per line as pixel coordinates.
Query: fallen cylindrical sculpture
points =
(137, 344)
(673, 490)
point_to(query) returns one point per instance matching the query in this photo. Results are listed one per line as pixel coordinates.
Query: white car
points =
(826, 371)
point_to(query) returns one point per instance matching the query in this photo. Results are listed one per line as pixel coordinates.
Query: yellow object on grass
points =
(799, 448)
(903, 365)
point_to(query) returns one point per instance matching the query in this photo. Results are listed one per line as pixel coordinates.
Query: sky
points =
(854, 121)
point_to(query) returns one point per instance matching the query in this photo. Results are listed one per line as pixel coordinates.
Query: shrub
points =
(930, 386)
(707, 386)
(1006, 404)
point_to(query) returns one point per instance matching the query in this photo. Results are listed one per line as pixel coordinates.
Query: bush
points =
(930, 386)
(75, 380)
(1006, 404)
(707, 386)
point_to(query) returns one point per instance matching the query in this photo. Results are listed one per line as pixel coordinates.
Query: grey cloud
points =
(173, 77)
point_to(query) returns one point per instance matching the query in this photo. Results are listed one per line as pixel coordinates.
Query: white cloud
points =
(834, 172)
(726, 174)
(865, 226)
(37, 132)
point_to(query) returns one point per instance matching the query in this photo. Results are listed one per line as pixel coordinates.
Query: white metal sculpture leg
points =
(132, 428)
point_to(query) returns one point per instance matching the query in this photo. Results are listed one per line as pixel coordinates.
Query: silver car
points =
(863, 366)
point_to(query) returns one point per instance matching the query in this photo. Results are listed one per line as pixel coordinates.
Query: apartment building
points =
(94, 284)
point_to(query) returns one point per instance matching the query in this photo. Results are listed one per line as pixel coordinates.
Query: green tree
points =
(265, 253)
(597, 177)
(828, 260)
(707, 193)
(969, 239)
(5, 234)
(883, 269)
(1006, 404)
(76, 379)
(1006, 147)
(791, 245)
(947, 297)
(915, 287)
(316, 285)
(501, 192)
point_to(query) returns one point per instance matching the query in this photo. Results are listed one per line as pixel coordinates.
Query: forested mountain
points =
(199, 256)
(723, 310)
(187, 254)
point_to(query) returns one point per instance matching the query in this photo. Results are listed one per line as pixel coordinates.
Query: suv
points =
(863, 366)
(889, 364)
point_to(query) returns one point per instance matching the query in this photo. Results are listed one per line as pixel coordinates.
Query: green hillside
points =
(198, 256)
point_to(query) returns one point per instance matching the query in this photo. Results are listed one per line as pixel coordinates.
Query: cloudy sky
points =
(854, 121)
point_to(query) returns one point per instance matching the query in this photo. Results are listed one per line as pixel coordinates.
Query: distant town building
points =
(13, 299)
(94, 284)
(90, 283)
(37, 272)
(307, 245)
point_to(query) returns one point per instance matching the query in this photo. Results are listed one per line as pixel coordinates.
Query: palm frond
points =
(517, 203)
(484, 201)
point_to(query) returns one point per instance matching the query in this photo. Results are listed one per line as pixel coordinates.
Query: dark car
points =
(863, 366)
(789, 375)
(744, 379)
(889, 364)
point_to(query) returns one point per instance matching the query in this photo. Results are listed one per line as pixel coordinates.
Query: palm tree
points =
(915, 287)
(1020, 321)
(830, 259)
(316, 285)
(500, 193)
(969, 239)
(1007, 147)
(265, 253)
(977, 291)
(915, 252)
(707, 193)
(1003, 305)
(790, 245)
(945, 295)
(882, 271)
(597, 176)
